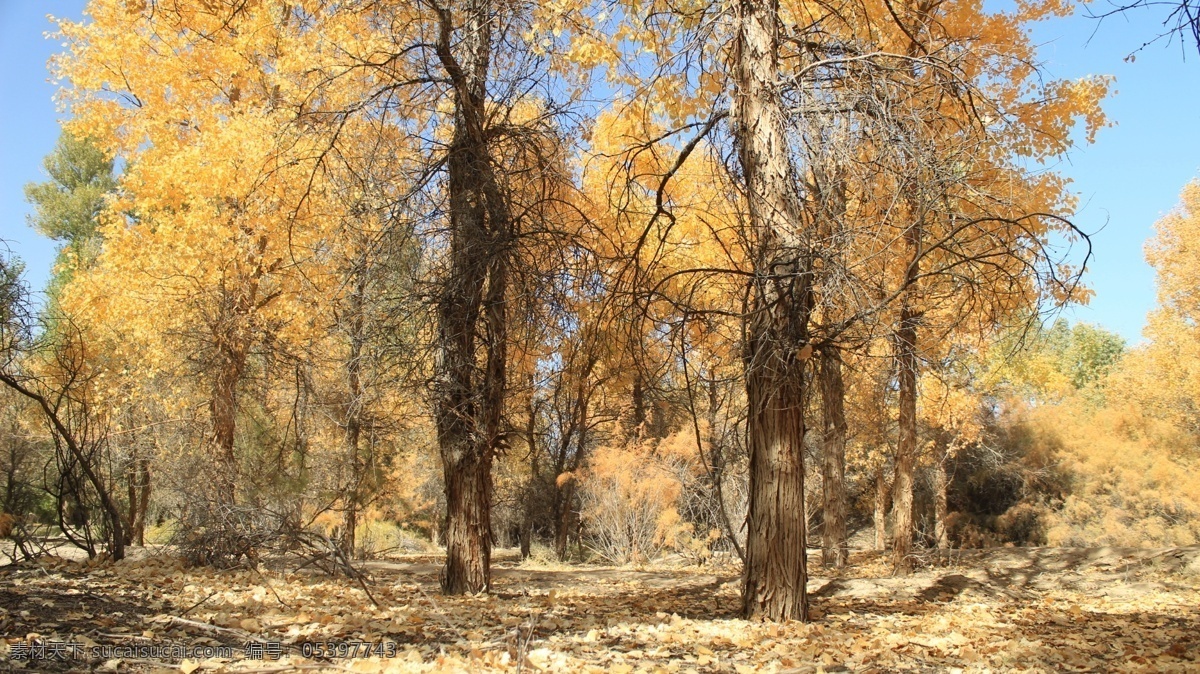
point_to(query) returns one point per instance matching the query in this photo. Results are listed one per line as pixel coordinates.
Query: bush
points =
(377, 538)
(629, 497)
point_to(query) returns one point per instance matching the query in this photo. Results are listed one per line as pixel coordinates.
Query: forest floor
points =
(1035, 609)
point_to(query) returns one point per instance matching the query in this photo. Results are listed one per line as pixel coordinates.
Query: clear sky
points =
(1126, 180)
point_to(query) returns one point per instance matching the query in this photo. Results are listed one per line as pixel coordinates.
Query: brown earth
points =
(1031, 609)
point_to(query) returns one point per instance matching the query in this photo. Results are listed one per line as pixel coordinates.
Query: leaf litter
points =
(1007, 609)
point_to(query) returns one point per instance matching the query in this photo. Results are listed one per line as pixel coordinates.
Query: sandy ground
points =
(1005, 609)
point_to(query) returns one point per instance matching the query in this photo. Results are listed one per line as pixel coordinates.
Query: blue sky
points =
(1126, 180)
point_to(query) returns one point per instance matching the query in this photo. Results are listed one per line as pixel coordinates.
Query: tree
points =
(67, 207)
(51, 370)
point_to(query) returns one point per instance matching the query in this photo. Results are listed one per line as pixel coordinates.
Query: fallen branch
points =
(241, 634)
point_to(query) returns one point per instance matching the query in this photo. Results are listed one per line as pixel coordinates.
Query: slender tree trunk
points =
(139, 500)
(132, 497)
(568, 520)
(717, 456)
(939, 499)
(562, 532)
(906, 448)
(881, 503)
(638, 400)
(525, 536)
(352, 497)
(775, 572)
(139, 524)
(906, 365)
(834, 548)
(529, 507)
(114, 521)
(470, 395)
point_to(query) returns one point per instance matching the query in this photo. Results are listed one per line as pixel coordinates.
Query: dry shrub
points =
(629, 498)
(1131, 486)
(1023, 524)
(377, 537)
(227, 536)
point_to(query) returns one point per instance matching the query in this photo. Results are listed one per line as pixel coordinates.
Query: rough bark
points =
(228, 370)
(471, 311)
(834, 548)
(775, 571)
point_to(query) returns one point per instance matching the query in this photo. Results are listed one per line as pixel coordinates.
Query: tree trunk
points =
(906, 448)
(525, 535)
(566, 518)
(231, 362)
(470, 394)
(468, 531)
(139, 501)
(775, 572)
(906, 365)
(568, 521)
(352, 496)
(529, 507)
(638, 400)
(939, 499)
(881, 501)
(834, 548)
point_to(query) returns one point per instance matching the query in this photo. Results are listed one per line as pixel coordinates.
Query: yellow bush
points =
(630, 496)
(1130, 484)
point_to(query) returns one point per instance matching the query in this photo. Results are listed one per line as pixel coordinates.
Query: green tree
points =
(67, 205)
(1083, 353)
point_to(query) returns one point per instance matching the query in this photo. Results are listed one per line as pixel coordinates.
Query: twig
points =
(197, 604)
(267, 582)
(175, 620)
(351, 571)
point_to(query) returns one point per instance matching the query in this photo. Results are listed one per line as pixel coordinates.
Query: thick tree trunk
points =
(881, 503)
(471, 311)
(231, 362)
(906, 448)
(468, 531)
(834, 549)
(775, 571)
